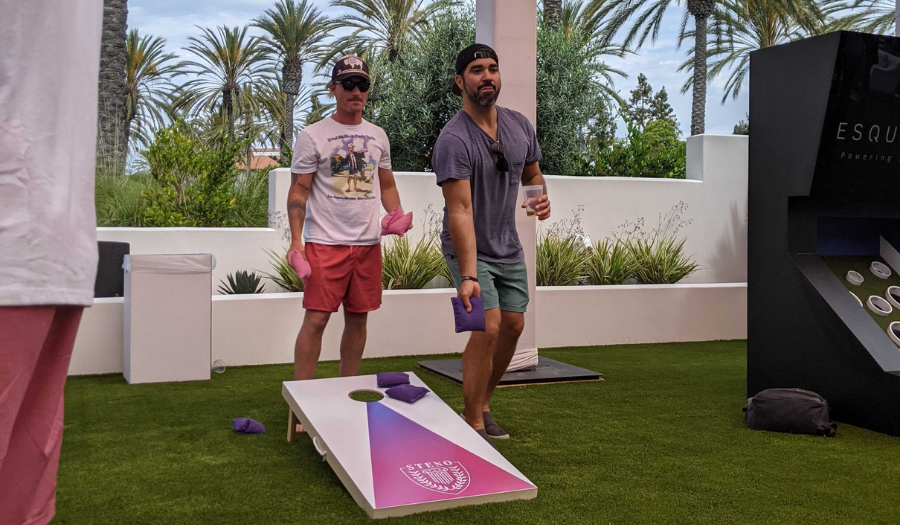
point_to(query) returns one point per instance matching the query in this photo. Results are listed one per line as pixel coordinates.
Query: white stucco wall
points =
(261, 329)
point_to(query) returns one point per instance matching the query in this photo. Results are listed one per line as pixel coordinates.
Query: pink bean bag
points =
(299, 264)
(396, 223)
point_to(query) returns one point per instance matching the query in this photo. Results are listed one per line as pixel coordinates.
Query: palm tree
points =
(148, 70)
(230, 61)
(111, 142)
(383, 27)
(876, 16)
(740, 27)
(552, 12)
(296, 31)
(648, 16)
(583, 22)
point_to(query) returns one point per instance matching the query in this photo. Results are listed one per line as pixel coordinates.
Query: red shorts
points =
(348, 275)
(35, 348)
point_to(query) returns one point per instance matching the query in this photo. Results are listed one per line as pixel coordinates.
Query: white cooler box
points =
(168, 317)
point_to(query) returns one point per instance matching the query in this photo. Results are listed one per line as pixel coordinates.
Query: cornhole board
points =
(397, 458)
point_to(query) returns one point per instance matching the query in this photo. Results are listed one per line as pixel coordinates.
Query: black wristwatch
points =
(469, 278)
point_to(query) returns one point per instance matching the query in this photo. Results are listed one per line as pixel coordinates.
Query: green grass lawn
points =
(661, 440)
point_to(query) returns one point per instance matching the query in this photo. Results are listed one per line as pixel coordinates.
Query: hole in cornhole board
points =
(366, 396)
(547, 371)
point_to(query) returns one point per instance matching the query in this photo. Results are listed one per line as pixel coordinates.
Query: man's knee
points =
(355, 320)
(513, 324)
(492, 326)
(316, 321)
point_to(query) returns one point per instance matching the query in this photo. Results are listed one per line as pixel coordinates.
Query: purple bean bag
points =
(389, 379)
(469, 321)
(407, 393)
(245, 425)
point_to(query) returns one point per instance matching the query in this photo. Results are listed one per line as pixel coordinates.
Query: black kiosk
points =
(825, 199)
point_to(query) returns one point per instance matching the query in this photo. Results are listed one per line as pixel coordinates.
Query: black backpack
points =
(790, 410)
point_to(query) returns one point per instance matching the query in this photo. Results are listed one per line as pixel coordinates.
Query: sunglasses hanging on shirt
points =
(502, 164)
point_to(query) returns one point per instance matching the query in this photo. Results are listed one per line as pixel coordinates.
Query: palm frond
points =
(383, 27)
(149, 71)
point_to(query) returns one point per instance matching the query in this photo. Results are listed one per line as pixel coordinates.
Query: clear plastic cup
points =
(532, 194)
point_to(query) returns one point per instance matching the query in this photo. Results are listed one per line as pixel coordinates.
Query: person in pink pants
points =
(49, 73)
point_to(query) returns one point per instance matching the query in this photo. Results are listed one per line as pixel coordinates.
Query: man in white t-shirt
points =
(48, 235)
(340, 179)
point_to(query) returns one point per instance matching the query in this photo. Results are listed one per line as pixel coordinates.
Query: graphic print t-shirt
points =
(345, 198)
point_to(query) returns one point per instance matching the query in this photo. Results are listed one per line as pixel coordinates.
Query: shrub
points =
(194, 182)
(242, 282)
(658, 256)
(660, 260)
(411, 267)
(561, 253)
(573, 108)
(118, 198)
(655, 152)
(251, 194)
(610, 262)
(285, 276)
(560, 260)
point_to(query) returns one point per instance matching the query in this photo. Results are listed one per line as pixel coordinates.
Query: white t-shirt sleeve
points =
(385, 161)
(305, 158)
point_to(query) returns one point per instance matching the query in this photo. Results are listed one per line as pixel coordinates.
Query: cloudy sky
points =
(176, 20)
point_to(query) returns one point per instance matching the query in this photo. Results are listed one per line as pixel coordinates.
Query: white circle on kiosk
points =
(893, 332)
(880, 270)
(893, 296)
(880, 306)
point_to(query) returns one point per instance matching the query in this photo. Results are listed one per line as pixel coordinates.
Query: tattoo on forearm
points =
(295, 205)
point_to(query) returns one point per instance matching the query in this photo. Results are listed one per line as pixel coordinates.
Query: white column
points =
(510, 27)
(279, 186)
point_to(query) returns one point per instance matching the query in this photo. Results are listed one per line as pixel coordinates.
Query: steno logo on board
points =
(445, 477)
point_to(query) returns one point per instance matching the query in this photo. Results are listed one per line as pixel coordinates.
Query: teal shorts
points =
(503, 286)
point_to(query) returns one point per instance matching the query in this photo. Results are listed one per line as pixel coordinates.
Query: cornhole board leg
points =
(396, 458)
(292, 425)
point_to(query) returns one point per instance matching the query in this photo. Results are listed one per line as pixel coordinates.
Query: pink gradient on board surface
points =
(411, 464)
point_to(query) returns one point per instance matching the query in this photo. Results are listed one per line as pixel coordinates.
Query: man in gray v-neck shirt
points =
(481, 157)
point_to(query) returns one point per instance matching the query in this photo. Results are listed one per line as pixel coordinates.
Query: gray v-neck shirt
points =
(463, 152)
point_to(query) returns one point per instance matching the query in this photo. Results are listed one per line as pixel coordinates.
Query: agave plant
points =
(609, 262)
(242, 282)
(411, 267)
(285, 276)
